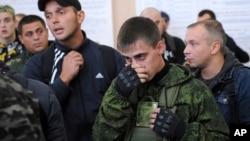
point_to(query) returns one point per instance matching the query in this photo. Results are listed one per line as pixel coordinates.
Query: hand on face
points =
(130, 77)
(72, 63)
(141, 72)
(126, 81)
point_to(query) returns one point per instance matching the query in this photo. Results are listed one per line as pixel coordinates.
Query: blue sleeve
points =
(243, 94)
(55, 120)
(32, 67)
(120, 62)
(60, 89)
(239, 52)
(50, 111)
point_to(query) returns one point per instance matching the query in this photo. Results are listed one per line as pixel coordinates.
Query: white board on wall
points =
(98, 17)
(233, 14)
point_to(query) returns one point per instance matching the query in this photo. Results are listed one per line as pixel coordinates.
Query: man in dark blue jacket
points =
(79, 75)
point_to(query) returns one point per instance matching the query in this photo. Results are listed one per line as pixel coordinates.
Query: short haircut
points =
(27, 20)
(209, 12)
(7, 9)
(215, 31)
(138, 28)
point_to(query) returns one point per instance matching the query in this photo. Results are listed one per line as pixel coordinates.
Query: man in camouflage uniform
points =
(18, 113)
(147, 74)
(11, 48)
(50, 115)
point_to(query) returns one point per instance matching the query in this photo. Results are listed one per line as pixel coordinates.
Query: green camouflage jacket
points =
(195, 105)
(17, 63)
(19, 113)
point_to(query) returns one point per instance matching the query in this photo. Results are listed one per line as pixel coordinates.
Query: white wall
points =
(104, 17)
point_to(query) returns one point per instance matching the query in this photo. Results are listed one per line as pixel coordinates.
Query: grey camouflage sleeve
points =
(18, 113)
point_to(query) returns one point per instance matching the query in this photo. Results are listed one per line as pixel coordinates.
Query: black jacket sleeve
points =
(180, 46)
(238, 52)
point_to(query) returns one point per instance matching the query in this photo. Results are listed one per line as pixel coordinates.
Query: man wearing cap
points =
(79, 76)
(174, 46)
(175, 43)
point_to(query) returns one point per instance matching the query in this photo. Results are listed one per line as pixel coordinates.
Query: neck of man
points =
(212, 68)
(162, 71)
(73, 41)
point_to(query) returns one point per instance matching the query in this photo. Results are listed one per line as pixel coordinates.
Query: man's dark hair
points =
(138, 28)
(27, 20)
(209, 12)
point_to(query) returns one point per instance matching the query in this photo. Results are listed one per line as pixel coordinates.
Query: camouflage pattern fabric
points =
(195, 106)
(10, 50)
(143, 113)
(14, 54)
(19, 113)
(17, 63)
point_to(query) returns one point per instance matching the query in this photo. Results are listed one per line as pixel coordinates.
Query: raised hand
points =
(72, 63)
(126, 81)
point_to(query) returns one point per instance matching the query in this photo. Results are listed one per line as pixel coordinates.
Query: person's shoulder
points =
(41, 90)
(176, 38)
(18, 104)
(34, 61)
(243, 71)
(36, 56)
(178, 74)
(115, 51)
(229, 37)
(182, 73)
(178, 41)
(43, 93)
(6, 83)
(106, 49)
(196, 89)
(37, 84)
(230, 42)
(17, 83)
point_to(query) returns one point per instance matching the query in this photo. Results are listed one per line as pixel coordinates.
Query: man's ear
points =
(215, 47)
(161, 47)
(81, 16)
(20, 38)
